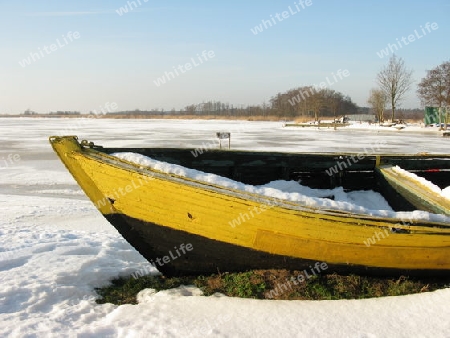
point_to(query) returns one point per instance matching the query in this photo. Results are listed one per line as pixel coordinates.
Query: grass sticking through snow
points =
(272, 284)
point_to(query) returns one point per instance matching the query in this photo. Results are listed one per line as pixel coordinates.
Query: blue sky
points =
(118, 58)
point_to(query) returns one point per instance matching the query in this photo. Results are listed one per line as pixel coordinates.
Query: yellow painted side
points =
(335, 238)
(382, 255)
(65, 147)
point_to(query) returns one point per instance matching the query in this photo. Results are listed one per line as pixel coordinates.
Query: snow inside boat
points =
(189, 213)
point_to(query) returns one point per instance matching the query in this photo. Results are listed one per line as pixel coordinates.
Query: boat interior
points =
(318, 171)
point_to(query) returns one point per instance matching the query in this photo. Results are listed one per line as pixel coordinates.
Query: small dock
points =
(317, 125)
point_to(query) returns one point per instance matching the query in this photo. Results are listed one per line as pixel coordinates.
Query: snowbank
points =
(55, 247)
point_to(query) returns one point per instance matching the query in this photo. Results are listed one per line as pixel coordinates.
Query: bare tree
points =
(317, 103)
(378, 100)
(309, 100)
(434, 88)
(395, 80)
(333, 101)
(191, 109)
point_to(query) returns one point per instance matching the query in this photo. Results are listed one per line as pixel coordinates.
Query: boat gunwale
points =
(87, 162)
(396, 222)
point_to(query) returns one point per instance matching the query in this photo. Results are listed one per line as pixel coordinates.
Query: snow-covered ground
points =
(55, 248)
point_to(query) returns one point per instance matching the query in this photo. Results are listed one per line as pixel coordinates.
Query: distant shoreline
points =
(270, 118)
(162, 117)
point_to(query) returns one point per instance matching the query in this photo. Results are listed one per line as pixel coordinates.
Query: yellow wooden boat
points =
(187, 227)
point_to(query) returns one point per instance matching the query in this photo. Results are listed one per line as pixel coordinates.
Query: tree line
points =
(312, 101)
(393, 82)
(302, 101)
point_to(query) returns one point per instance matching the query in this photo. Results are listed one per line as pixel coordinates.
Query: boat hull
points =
(232, 230)
(211, 256)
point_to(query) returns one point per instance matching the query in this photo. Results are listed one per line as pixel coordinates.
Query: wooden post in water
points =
(224, 135)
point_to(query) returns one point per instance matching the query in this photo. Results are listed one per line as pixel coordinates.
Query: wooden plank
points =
(419, 195)
(181, 210)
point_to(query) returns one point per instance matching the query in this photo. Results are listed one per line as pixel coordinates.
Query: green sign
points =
(432, 115)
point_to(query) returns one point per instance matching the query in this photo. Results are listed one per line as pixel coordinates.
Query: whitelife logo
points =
(130, 6)
(10, 160)
(35, 56)
(265, 24)
(184, 248)
(341, 74)
(405, 41)
(184, 68)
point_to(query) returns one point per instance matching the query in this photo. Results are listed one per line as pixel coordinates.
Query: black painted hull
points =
(210, 256)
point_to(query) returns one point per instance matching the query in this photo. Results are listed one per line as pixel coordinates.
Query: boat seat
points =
(415, 190)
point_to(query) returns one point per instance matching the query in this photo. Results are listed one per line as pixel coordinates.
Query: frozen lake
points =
(271, 136)
(55, 247)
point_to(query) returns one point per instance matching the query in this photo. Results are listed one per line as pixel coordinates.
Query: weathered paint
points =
(284, 229)
(419, 195)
